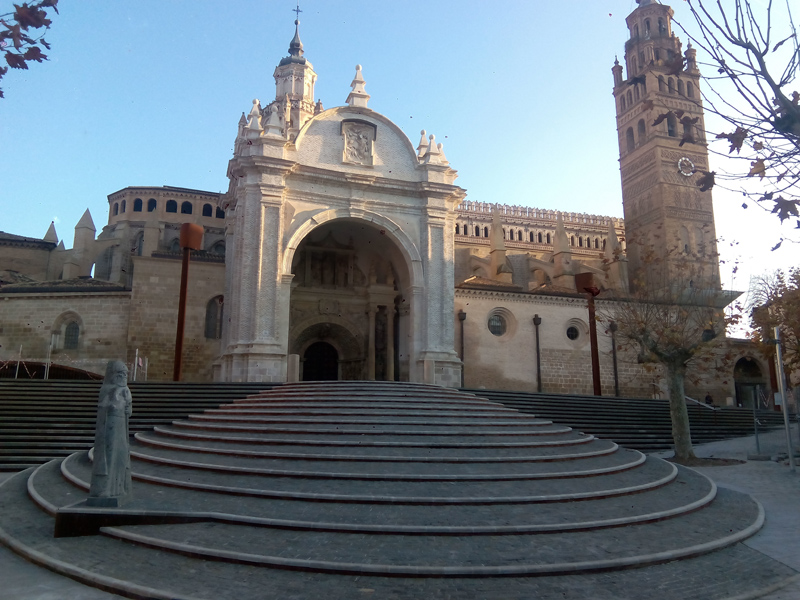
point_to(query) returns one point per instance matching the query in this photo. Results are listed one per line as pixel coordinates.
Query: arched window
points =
(530, 236)
(172, 206)
(661, 27)
(175, 245)
(661, 85)
(636, 92)
(640, 129)
(214, 318)
(672, 125)
(646, 27)
(151, 205)
(657, 54)
(689, 89)
(630, 98)
(504, 234)
(218, 249)
(622, 102)
(540, 237)
(671, 85)
(680, 87)
(72, 333)
(116, 209)
(458, 229)
(186, 208)
(519, 235)
(548, 238)
(477, 231)
(122, 206)
(485, 232)
(137, 205)
(688, 133)
(604, 244)
(572, 240)
(221, 215)
(631, 143)
(208, 210)
(580, 241)
(635, 31)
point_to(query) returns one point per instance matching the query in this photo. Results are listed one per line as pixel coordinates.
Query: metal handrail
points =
(703, 404)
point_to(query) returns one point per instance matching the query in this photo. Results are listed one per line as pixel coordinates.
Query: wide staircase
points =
(42, 420)
(388, 490)
(640, 423)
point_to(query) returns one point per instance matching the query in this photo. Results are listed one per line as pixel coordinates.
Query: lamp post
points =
(613, 328)
(462, 316)
(781, 373)
(191, 239)
(537, 320)
(584, 282)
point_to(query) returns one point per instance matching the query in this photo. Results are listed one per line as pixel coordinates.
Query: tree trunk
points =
(681, 434)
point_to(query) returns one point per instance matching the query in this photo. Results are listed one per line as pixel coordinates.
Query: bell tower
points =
(294, 87)
(663, 151)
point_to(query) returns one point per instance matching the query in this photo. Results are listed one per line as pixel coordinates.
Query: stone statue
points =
(111, 471)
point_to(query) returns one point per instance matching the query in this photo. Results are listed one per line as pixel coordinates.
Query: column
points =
(390, 343)
(371, 345)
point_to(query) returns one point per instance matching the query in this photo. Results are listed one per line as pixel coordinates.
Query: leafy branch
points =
(20, 40)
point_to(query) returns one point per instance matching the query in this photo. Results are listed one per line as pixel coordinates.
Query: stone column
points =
(371, 345)
(390, 343)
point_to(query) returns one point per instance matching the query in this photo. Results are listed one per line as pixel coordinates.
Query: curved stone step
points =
(726, 521)
(574, 447)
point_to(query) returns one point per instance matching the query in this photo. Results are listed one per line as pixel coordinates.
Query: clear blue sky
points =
(149, 93)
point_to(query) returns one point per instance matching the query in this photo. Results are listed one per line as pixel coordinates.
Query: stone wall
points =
(31, 320)
(154, 314)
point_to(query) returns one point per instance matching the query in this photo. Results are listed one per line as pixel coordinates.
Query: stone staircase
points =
(640, 423)
(392, 490)
(41, 420)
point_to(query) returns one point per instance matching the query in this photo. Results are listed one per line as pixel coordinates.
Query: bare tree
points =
(673, 316)
(750, 58)
(774, 301)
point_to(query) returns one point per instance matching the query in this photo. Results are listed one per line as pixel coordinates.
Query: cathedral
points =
(343, 250)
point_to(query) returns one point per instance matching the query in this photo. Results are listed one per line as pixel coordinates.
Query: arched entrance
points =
(321, 362)
(751, 385)
(347, 291)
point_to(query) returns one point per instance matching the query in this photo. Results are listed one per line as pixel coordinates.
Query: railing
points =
(703, 404)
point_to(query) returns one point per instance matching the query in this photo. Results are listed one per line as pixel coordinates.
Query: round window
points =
(573, 333)
(497, 325)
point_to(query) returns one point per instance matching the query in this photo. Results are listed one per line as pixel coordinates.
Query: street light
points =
(537, 320)
(191, 239)
(584, 282)
(462, 316)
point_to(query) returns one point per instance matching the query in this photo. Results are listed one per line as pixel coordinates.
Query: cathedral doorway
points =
(321, 363)
(751, 385)
(347, 292)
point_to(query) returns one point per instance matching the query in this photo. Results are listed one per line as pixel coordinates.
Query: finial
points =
(359, 96)
(616, 60)
(422, 148)
(296, 46)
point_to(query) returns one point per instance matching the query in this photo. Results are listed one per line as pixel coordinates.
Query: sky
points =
(149, 93)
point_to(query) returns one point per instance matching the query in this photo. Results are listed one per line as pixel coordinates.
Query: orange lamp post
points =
(191, 239)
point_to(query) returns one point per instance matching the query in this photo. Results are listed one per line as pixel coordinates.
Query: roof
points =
(482, 283)
(79, 284)
(9, 239)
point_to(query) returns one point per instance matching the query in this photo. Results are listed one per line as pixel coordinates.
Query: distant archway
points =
(321, 362)
(750, 384)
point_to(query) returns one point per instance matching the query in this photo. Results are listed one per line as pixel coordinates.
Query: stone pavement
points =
(771, 483)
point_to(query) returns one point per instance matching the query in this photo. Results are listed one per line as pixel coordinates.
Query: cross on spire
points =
(297, 11)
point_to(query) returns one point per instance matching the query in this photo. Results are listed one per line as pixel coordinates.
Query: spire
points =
(86, 221)
(296, 46)
(422, 148)
(254, 122)
(51, 235)
(561, 241)
(358, 96)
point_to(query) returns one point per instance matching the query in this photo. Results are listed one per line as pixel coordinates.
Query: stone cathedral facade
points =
(342, 250)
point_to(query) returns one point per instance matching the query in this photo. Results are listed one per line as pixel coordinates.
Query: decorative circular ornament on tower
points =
(685, 167)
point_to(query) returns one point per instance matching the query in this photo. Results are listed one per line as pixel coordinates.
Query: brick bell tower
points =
(661, 164)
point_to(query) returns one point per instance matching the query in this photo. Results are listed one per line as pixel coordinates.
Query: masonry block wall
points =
(154, 314)
(30, 320)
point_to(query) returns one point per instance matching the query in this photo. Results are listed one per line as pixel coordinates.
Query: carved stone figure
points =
(358, 143)
(111, 471)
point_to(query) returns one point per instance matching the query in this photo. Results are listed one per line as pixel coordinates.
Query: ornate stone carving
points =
(358, 140)
(111, 470)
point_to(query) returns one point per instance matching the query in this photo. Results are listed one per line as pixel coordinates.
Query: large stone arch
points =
(391, 229)
(340, 333)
